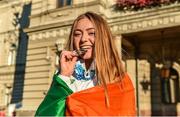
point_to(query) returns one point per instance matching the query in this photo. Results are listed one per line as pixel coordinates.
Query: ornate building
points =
(149, 39)
(10, 12)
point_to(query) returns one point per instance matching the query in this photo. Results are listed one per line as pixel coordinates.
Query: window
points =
(12, 54)
(62, 3)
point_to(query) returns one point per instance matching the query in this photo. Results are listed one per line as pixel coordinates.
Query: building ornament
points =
(10, 40)
(116, 28)
(144, 24)
(53, 33)
(10, 37)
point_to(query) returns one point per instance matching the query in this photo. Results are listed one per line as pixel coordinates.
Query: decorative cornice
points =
(148, 24)
(53, 33)
(48, 26)
(117, 28)
(147, 20)
(133, 22)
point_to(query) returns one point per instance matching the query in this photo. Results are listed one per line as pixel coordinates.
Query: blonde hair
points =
(109, 66)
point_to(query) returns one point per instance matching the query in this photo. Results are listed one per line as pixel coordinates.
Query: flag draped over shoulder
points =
(91, 102)
(54, 102)
(60, 100)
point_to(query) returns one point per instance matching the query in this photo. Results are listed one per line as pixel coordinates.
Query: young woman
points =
(91, 79)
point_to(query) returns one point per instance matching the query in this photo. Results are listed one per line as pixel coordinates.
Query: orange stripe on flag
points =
(91, 102)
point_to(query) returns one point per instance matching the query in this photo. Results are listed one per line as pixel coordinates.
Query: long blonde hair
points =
(109, 66)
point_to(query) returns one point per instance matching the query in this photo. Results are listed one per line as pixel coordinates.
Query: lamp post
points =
(165, 72)
(145, 84)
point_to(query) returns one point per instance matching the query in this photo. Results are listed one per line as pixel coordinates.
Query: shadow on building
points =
(17, 93)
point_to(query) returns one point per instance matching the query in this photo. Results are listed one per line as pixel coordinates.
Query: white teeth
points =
(85, 46)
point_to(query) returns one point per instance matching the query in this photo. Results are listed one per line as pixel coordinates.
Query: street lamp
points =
(165, 72)
(145, 84)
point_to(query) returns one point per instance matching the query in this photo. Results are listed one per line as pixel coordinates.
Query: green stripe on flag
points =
(54, 102)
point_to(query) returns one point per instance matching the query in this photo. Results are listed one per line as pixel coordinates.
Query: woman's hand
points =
(67, 62)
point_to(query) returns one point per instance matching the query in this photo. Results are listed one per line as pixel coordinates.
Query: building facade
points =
(9, 32)
(148, 39)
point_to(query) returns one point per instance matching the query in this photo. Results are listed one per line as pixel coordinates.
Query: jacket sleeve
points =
(54, 102)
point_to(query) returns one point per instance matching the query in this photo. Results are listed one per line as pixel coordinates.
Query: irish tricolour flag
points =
(61, 101)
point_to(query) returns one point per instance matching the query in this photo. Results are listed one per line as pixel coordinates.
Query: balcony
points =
(135, 5)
